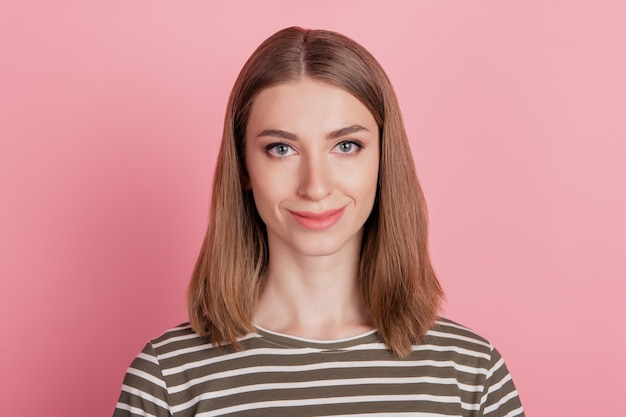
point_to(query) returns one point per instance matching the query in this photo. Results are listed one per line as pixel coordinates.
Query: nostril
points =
(314, 184)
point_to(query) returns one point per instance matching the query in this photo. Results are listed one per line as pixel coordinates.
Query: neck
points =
(315, 297)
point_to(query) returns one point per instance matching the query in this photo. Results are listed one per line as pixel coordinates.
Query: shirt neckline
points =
(281, 339)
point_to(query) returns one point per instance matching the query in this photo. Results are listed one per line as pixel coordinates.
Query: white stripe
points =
(452, 348)
(495, 367)
(514, 413)
(503, 400)
(466, 329)
(317, 384)
(277, 352)
(490, 372)
(236, 355)
(332, 400)
(145, 396)
(136, 411)
(148, 358)
(147, 377)
(298, 351)
(293, 352)
(458, 337)
(470, 388)
(198, 348)
(325, 365)
(424, 347)
(174, 339)
(184, 351)
(498, 386)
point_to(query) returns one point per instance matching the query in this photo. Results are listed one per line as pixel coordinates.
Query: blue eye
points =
(348, 147)
(279, 149)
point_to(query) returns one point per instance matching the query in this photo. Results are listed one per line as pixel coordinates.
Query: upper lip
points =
(316, 214)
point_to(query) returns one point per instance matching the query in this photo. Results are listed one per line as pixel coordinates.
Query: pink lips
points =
(317, 221)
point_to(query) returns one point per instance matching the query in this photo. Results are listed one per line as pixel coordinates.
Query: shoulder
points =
(177, 334)
(448, 332)
(452, 344)
(465, 341)
(157, 346)
(146, 373)
(473, 354)
(177, 341)
(145, 387)
(181, 344)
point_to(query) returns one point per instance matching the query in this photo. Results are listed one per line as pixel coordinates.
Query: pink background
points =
(110, 117)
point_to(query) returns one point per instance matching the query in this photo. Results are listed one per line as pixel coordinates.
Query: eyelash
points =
(270, 148)
(358, 145)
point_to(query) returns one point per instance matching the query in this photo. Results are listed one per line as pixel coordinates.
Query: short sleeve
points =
(500, 398)
(144, 392)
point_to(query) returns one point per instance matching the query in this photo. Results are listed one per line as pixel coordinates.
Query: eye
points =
(279, 149)
(348, 147)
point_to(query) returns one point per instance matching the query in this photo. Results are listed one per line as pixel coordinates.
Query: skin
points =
(312, 155)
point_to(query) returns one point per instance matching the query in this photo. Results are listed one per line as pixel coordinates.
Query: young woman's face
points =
(312, 155)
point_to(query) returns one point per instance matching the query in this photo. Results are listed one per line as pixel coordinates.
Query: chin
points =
(314, 247)
(320, 252)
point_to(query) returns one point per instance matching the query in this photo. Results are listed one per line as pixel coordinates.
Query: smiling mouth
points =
(318, 221)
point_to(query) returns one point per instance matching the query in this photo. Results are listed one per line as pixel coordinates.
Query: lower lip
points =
(318, 223)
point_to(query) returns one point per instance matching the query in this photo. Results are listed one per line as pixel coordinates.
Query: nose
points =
(315, 180)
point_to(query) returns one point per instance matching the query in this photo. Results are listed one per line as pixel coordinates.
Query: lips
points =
(317, 221)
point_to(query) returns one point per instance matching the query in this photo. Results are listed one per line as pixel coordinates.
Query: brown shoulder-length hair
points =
(396, 277)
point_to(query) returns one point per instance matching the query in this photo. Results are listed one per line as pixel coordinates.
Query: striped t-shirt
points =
(453, 372)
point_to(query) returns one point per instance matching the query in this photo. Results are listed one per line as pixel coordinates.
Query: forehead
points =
(307, 105)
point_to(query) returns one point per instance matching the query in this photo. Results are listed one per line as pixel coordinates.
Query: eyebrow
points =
(344, 131)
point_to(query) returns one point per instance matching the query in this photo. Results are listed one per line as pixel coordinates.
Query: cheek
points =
(263, 204)
(268, 191)
(363, 181)
(262, 192)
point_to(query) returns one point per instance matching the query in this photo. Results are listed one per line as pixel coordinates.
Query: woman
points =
(313, 293)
